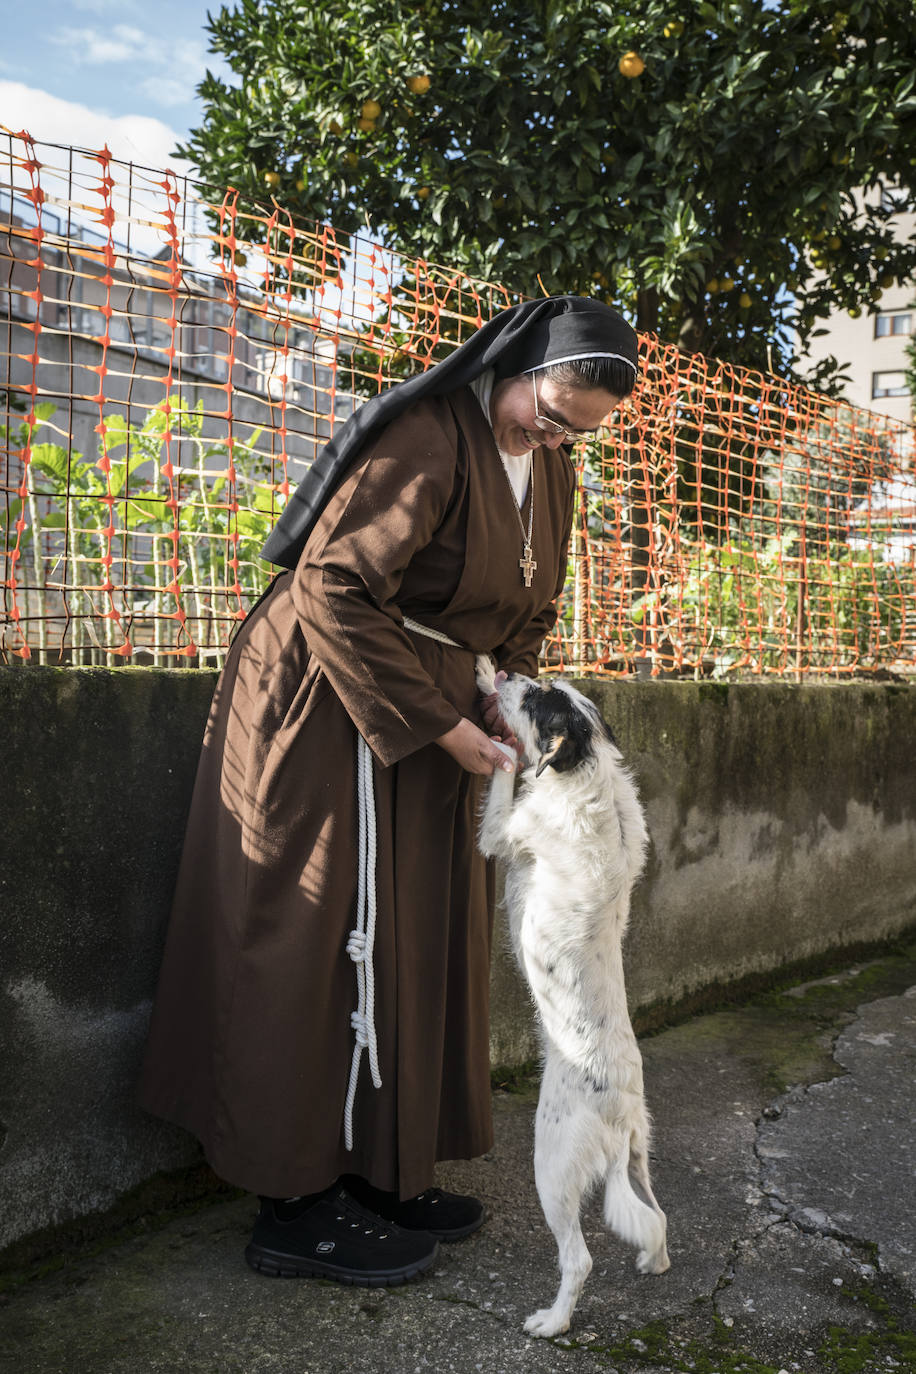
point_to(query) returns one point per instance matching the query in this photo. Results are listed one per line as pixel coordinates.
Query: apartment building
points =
(872, 347)
(216, 346)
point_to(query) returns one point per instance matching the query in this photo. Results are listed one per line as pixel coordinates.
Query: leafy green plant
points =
(765, 610)
(84, 515)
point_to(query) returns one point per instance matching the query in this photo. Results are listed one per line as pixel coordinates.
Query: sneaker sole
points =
(276, 1265)
(456, 1234)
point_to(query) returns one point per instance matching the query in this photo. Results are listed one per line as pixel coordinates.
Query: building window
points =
(888, 384)
(895, 322)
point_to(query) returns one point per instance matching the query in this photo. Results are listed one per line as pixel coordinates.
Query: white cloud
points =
(121, 43)
(103, 6)
(136, 138)
(69, 183)
(166, 90)
(180, 61)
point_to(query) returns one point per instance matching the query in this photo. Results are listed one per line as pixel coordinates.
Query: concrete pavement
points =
(784, 1156)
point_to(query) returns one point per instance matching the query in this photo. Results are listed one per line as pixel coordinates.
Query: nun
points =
(321, 1021)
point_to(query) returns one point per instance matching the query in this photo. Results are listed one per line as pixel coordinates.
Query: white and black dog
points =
(572, 840)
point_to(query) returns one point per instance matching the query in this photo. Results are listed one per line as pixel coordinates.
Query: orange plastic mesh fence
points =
(173, 361)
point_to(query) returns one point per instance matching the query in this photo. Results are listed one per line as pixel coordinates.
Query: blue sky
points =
(117, 71)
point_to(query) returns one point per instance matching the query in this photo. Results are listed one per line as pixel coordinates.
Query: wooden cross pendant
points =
(527, 565)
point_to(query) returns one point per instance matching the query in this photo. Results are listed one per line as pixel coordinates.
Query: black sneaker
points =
(449, 1216)
(336, 1238)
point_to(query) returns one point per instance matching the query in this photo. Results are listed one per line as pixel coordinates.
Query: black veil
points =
(521, 339)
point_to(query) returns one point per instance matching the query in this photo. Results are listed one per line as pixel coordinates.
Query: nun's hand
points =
(493, 721)
(469, 746)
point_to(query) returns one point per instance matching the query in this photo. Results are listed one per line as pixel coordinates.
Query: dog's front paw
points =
(547, 1322)
(485, 668)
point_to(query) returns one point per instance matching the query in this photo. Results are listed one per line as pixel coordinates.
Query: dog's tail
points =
(636, 1221)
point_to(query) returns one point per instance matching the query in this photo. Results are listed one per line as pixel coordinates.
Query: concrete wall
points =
(783, 825)
(782, 821)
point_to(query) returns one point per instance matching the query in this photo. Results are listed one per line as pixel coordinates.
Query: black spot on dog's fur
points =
(562, 731)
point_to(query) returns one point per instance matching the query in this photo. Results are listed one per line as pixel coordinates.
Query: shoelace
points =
(369, 1228)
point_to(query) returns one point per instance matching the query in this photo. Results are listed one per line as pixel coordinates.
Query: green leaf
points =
(53, 460)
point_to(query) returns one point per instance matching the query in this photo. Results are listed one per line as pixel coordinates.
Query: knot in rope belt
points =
(361, 940)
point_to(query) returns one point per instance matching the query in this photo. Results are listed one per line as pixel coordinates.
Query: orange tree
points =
(700, 165)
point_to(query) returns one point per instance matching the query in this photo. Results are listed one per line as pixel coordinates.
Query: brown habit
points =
(250, 1043)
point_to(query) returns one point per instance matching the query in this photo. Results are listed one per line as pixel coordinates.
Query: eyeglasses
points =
(544, 422)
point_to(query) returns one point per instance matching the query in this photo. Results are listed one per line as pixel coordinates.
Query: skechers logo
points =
(324, 1247)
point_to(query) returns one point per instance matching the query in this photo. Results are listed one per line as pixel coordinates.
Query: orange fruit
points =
(631, 65)
(371, 109)
(365, 126)
(422, 192)
(674, 28)
(272, 179)
(335, 128)
(418, 85)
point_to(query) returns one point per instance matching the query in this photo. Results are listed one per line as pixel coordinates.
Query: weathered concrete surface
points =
(783, 824)
(839, 1145)
(98, 772)
(781, 818)
(761, 1280)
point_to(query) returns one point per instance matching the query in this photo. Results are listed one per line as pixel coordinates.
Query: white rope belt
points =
(430, 633)
(361, 941)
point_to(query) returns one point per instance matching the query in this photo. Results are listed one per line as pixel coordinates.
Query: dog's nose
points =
(507, 677)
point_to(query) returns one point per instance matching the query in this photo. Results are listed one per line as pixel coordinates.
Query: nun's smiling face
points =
(522, 408)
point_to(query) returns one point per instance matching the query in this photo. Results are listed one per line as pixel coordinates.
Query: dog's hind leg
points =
(650, 1260)
(567, 1158)
(637, 1220)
